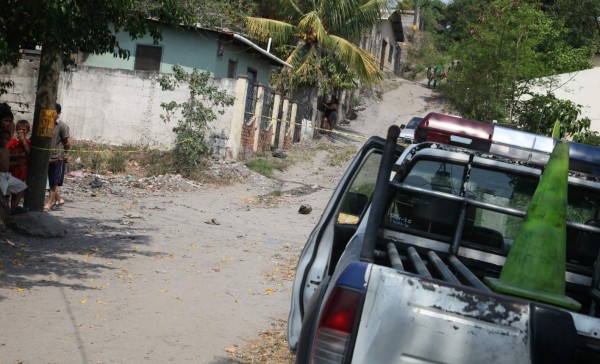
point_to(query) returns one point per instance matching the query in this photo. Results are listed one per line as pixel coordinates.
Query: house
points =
(382, 41)
(223, 53)
(118, 101)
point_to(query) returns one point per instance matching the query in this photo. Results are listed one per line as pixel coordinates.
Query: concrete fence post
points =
(258, 111)
(274, 116)
(237, 120)
(284, 122)
(292, 124)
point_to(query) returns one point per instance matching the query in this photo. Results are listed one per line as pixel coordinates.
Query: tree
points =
(578, 19)
(498, 59)
(193, 116)
(65, 27)
(538, 113)
(431, 14)
(318, 30)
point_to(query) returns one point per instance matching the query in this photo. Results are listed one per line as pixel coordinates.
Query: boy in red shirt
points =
(19, 147)
(8, 183)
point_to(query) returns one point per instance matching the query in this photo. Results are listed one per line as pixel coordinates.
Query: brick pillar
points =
(284, 123)
(237, 120)
(258, 113)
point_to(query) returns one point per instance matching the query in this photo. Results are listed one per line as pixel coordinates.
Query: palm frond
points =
(311, 29)
(295, 7)
(348, 18)
(359, 60)
(308, 64)
(263, 29)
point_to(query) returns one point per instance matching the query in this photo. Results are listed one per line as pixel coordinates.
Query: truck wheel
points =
(309, 323)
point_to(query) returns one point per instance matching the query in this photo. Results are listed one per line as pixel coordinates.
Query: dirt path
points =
(172, 277)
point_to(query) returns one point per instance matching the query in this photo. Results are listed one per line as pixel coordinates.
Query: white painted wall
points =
(373, 43)
(111, 106)
(583, 88)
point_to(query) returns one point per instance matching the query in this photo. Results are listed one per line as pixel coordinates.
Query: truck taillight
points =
(335, 326)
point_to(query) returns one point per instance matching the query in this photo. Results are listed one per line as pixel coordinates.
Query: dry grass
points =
(270, 347)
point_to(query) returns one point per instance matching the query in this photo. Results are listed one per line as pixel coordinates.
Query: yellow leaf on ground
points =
(194, 246)
(83, 301)
(18, 254)
(269, 291)
(20, 289)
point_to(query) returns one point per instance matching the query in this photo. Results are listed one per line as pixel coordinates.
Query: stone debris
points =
(305, 209)
(35, 223)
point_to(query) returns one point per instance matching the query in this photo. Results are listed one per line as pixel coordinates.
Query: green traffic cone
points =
(536, 264)
(556, 130)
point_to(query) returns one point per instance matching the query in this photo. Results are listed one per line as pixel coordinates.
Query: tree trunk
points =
(43, 128)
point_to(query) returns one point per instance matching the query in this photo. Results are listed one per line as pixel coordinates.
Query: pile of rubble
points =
(83, 183)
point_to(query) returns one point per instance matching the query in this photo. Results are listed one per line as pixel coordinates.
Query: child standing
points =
(18, 148)
(7, 119)
(8, 183)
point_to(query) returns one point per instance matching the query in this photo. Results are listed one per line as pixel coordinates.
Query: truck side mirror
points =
(402, 126)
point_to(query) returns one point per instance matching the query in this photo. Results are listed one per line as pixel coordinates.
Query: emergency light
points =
(503, 141)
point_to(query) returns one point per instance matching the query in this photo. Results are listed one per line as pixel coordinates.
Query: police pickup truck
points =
(394, 270)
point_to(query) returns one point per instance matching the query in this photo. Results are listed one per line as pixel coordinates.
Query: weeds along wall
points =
(110, 106)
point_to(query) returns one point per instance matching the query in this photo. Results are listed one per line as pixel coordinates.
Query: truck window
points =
(436, 176)
(359, 194)
(493, 229)
(436, 218)
(428, 215)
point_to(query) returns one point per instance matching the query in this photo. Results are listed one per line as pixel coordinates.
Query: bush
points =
(116, 161)
(192, 116)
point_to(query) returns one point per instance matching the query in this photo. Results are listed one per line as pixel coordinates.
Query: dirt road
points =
(172, 277)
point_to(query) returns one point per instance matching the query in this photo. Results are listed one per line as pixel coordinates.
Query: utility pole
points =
(416, 18)
(43, 128)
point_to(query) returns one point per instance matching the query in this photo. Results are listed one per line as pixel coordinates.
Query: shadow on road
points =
(27, 262)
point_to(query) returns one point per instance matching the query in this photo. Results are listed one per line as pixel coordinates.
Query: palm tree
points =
(318, 29)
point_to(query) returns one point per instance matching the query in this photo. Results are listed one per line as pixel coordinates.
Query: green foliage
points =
(223, 14)
(502, 45)
(431, 15)
(588, 137)
(116, 161)
(497, 59)
(316, 39)
(96, 162)
(578, 21)
(266, 166)
(565, 59)
(192, 116)
(72, 26)
(539, 113)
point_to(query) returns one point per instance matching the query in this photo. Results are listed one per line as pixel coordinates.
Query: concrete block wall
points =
(121, 107)
(111, 106)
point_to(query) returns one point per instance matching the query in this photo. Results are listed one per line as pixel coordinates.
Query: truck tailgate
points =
(408, 319)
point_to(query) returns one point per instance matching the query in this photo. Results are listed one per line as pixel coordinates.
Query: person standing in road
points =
(437, 74)
(61, 144)
(330, 114)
